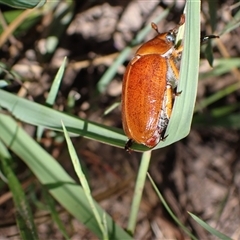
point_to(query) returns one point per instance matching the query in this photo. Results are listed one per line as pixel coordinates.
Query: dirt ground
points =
(199, 174)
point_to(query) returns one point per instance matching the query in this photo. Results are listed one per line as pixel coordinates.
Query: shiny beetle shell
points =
(147, 77)
(142, 99)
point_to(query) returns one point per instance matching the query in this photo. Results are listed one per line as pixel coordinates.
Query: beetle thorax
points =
(158, 45)
(168, 53)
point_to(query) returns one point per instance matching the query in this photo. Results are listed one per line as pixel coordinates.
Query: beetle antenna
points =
(154, 26)
(175, 30)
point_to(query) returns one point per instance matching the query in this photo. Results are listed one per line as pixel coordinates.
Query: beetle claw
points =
(177, 93)
(163, 138)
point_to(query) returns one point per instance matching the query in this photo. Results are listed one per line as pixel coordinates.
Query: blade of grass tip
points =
(209, 228)
(56, 84)
(53, 92)
(111, 108)
(169, 210)
(109, 74)
(81, 176)
(142, 173)
(24, 217)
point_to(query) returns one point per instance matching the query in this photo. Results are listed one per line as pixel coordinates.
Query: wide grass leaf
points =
(50, 173)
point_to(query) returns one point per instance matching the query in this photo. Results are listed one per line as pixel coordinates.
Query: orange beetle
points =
(149, 83)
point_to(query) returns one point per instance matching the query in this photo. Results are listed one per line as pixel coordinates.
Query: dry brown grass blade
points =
(14, 25)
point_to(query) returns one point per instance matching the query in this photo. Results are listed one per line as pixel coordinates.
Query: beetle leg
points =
(169, 101)
(172, 73)
(175, 59)
(166, 111)
(128, 145)
(162, 135)
(177, 52)
(174, 68)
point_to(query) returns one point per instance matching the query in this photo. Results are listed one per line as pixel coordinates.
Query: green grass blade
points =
(216, 96)
(40, 115)
(221, 66)
(49, 172)
(24, 217)
(213, 14)
(84, 183)
(209, 228)
(4, 153)
(233, 24)
(56, 84)
(210, 120)
(169, 210)
(55, 215)
(53, 92)
(142, 173)
(111, 108)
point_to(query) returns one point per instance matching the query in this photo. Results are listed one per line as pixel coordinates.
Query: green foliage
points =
(49, 172)
(24, 215)
(24, 4)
